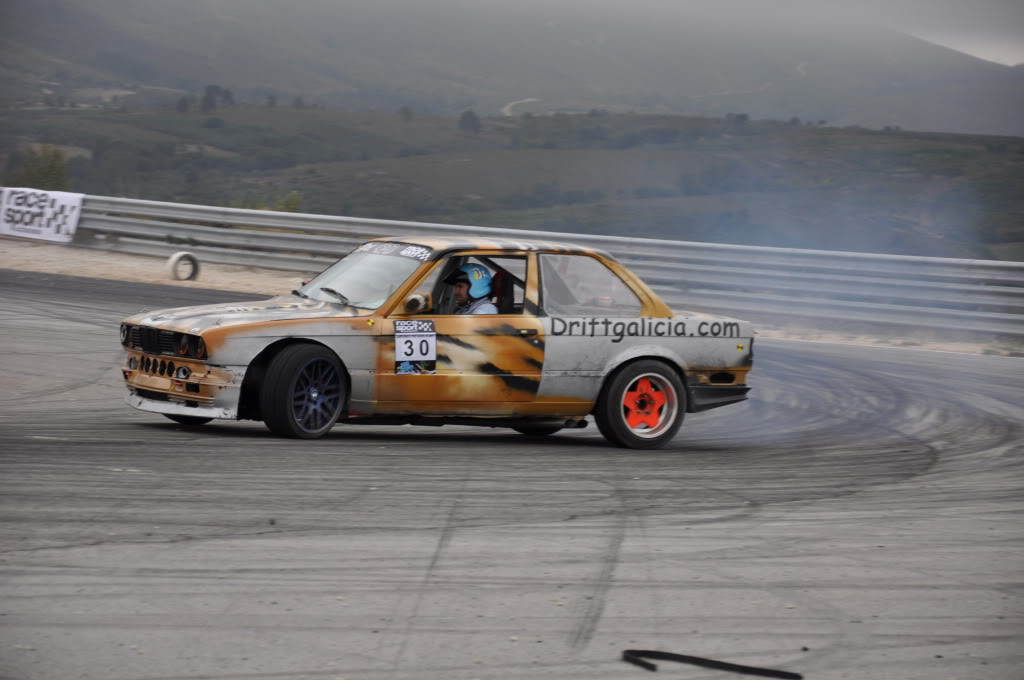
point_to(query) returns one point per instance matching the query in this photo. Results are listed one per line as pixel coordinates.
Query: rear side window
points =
(577, 285)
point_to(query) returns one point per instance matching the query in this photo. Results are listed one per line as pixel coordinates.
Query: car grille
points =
(152, 340)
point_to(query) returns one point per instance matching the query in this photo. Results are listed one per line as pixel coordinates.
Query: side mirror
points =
(416, 303)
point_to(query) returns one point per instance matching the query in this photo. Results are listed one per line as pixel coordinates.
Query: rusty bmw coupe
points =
(377, 338)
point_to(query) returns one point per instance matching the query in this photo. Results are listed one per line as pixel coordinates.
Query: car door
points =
(587, 311)
(433, 361)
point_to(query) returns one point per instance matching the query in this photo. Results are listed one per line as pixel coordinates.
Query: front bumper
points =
(208, 391)
(176, 408)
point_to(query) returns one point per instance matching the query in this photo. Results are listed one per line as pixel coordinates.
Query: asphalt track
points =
(859, 517)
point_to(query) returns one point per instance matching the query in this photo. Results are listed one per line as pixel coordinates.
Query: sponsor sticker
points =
(415, 347)
(420, 253)
(46, 215)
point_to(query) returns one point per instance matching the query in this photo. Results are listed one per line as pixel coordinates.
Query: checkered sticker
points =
(416, 326)
(417, 252)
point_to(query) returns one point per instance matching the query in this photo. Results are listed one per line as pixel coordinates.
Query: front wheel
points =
(641, 406)
(188, 421)
(303, 392)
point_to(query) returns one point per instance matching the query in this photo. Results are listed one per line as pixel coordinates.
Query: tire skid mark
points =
(590, 607)
(595, 593)
(426, 582)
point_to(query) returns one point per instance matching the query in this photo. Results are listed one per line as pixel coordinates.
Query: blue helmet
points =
(477, 276)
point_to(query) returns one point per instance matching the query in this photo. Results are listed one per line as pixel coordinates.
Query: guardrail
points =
(942, 297)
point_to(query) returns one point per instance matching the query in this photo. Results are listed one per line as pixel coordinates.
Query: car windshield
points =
(366, 277)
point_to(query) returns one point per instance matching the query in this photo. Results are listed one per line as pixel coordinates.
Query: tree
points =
(297, 103)
(271, 101)
(184, 105)
(405, 113)
(213, 94)
(45, 170)
(469, 122)
(290, 202)
(226, 97)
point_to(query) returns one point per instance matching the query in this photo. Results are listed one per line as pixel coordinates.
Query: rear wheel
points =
(641, 406)
(188, 421)
(537, 430)
(302, 392)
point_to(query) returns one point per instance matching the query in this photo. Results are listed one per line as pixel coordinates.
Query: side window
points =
(508, 280)
(508, 283)
(577, 285)
(429, 294)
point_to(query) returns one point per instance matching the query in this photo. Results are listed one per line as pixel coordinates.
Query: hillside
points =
(730, 180)
(449, 55)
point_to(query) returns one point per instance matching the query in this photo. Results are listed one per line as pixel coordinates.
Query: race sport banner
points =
(33, 213)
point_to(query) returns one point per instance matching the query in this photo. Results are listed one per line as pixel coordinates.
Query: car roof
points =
(443, 244)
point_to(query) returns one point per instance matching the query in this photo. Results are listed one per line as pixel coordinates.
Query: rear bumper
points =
(704, 397)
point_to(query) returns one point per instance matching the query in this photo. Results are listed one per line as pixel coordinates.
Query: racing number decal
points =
(415, 348)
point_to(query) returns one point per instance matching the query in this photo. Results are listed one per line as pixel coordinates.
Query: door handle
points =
(527, 331)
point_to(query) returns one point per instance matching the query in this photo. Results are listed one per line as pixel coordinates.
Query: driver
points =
(472, 284)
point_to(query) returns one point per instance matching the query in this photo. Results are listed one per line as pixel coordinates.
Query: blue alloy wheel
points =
(316, 395)
(303, 391)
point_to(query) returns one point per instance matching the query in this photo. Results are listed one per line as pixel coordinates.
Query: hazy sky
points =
(991, 29)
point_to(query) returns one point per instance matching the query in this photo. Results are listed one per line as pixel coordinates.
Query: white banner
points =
(33, 213)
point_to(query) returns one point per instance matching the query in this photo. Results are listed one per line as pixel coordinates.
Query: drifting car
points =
(374, 339)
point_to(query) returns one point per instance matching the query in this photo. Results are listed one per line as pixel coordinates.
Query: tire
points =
(303, 392)
(538, 429)
(187, 421)
(641, 406)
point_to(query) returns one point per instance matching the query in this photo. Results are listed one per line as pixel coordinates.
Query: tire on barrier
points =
(179, 258)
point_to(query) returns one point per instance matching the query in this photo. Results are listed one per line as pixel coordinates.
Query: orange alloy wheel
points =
(649, 405)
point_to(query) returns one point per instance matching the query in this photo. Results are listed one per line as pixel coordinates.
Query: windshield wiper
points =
(300, 294)
(344, 300)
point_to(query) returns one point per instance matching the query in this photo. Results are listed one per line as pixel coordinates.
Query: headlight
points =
(200, 349)
(183, 345)
(125, 334)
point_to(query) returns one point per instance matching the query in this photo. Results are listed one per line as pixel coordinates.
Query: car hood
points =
(282, 308)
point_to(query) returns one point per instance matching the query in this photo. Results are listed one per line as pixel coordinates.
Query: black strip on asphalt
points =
(636, 657)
